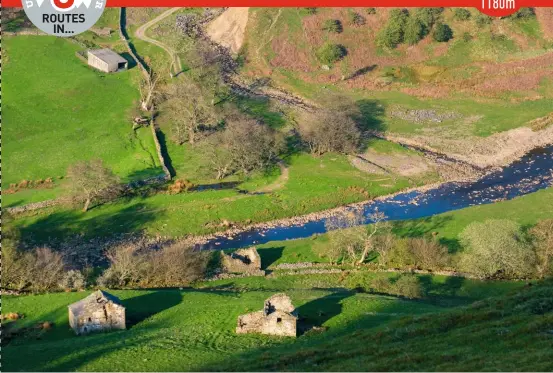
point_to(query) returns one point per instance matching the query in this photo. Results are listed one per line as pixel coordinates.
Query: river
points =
(529, 174)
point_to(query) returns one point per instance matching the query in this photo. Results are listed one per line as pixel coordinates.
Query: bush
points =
(332, 25)
(428, 254)
(330, 53)
(371, 10)
(401, 254)
(467, 37)
(496, 248)
(482, 20)
(311, 11)
(461, 14)
(442, 33)
(524, 13)
(356, 19)
(134, 265)
(73, 280)
(408, 286)
(542, 235)
(414, 31)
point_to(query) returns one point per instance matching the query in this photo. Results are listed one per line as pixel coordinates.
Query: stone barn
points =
(99, 311)
(277, 318)
(106, 60)
(242, 261)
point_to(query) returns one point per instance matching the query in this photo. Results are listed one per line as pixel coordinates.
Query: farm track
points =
(140, 33)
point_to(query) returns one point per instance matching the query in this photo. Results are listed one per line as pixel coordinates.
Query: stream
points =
(529, 174)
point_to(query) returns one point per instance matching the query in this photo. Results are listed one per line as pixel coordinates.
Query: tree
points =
(414, 31)
(461, 14)
(346, 235)
(378, 224)
(428, 16)
(542, 234)
(243, 146)
(371, 10)
(496, 248)
(442, 33)
(329, 53)
(189, 111)
(44, 269)
(393, 33)
(329, 131)
(428, 254)
(92, 182)
(332, 25)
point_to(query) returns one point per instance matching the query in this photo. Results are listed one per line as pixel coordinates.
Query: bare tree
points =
(148, 87)
(346, 235)
(189, 109)
(329, 131)
(243, 146)
(378, 220)
(92, 182)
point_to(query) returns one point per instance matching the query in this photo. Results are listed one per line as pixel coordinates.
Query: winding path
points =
(140, 33)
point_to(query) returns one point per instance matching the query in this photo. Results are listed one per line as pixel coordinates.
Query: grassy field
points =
(193, 329)
(314, 184)
(59, 111)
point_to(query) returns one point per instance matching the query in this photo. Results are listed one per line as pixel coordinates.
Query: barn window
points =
(89, 319)
(279, 319)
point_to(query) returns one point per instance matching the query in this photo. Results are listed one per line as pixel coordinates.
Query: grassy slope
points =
(462, 60)
(59, 111)
(193, 329)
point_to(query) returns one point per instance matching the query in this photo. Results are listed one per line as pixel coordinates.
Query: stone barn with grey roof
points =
(106, 60)
(100, 311)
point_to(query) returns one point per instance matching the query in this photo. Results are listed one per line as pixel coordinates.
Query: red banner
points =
(497, 8)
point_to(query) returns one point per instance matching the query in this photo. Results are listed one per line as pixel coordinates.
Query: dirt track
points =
(141, 34)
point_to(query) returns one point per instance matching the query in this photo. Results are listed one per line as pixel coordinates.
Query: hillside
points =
(480, 90)
(193, 329)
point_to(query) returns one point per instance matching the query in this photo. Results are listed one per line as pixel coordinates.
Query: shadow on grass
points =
(144, 306)
(270, 255)
(317, 312)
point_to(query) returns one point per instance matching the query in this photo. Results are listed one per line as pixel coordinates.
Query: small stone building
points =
(106, 60)
(100, 311)
(242, 261)
(277, 318)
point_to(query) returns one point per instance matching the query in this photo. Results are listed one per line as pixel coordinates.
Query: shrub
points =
(73, 280)
(428, 254)
(467, 37)
(332, 25)
(542, 235)
(496, 248)
(461, 14)
(442, 33)
(414, 31)
(401, 255)
(408, 286)
(311, 11)
(482, 20)
(371, 10)
(524, 13)
(330, 53)
(355, 18)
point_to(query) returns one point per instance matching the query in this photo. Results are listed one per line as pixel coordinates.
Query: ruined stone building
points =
(242, 261)
(278, 317)
(107, 60)
(99, 311)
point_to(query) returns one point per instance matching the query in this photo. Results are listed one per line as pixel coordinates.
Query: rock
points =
(325, 67)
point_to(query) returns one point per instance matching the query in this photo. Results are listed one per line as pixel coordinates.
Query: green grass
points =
(59, 111)
(193, 329)
(314, 184)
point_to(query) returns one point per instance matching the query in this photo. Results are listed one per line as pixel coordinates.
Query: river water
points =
(531, 173)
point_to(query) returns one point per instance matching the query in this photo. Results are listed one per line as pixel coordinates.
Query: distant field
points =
(58, 111)
(193, 329)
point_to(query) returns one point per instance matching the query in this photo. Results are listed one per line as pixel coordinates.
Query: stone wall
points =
(277, 318)
(242, 261)
(33, 206)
